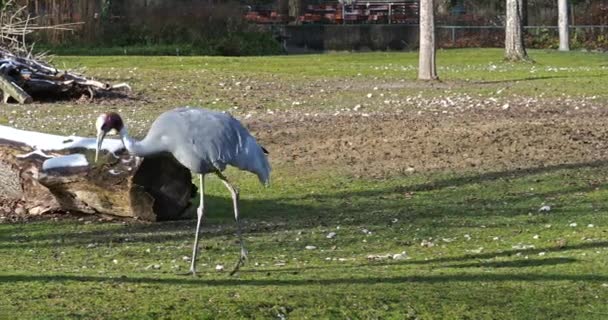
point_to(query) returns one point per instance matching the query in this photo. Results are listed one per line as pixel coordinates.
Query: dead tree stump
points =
(54, 173)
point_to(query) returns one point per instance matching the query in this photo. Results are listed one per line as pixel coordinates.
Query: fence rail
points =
(489, 35)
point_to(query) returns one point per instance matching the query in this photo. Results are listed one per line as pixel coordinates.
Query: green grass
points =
(478, 268)
(346, 78)
(493, 254)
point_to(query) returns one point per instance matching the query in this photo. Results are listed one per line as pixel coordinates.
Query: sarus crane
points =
(203, 141)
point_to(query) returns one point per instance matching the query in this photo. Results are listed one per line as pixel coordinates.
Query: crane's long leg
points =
(200, 213)
(235, 202)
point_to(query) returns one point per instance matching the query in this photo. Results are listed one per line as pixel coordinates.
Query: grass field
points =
(454, 174)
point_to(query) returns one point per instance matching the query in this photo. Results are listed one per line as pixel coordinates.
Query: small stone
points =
(536, 237)
(115, 261)
(219, 268)
(91, 245)
(379, 257)
(20, 211)
(186, 258)
(36, 211)
(542, 253)
(478, 250)
(520, 246)
(467, 237)
(590, 226)
(505, 106)
(310, 247)
(400, 256)
(427, 243)
(331, 235)
(573, 224)
(544, 209)
(369, 95)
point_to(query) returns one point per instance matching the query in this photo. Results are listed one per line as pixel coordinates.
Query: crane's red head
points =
(109, 122)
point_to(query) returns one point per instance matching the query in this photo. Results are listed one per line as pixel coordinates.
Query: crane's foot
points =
(240, 262)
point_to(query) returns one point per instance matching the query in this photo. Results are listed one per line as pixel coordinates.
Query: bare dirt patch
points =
(384, 144)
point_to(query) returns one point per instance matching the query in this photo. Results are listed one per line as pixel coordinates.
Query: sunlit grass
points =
(477, 246)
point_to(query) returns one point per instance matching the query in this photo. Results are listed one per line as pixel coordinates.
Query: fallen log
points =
(51, 173)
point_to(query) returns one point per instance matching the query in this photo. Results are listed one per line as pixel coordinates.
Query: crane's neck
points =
(130, 144)
(142, 148)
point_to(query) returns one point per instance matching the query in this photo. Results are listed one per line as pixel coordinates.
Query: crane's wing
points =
(217, 139)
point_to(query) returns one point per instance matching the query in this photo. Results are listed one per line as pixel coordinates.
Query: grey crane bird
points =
(204, 141)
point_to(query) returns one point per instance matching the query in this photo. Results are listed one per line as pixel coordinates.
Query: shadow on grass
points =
(364, 207)
(474, 179)
(513, 174)
(218, 221)
(536, 78)
(487, 277)
(526, 263)
(478, 256)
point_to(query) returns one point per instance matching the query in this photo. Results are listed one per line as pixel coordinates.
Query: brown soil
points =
(381, 145)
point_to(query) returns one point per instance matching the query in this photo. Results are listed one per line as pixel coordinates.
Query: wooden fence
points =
(53, 12)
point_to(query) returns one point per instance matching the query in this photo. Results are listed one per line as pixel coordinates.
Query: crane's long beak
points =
(100, 135)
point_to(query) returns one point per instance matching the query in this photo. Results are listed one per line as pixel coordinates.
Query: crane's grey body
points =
(204, 141)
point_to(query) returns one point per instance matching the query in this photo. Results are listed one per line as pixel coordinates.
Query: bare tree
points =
(426, 62)
(294, 9)
(562, 7)
(514, 37)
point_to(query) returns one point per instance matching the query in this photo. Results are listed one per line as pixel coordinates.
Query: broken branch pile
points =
(25, 78)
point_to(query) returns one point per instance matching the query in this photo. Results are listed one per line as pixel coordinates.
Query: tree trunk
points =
(295, 9)
(514, 37)
(562, 7)
(426, 55)
(283, 7)
(66, 179)
(524, 12)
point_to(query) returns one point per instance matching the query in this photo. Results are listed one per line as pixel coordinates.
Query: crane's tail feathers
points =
(252, 157)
